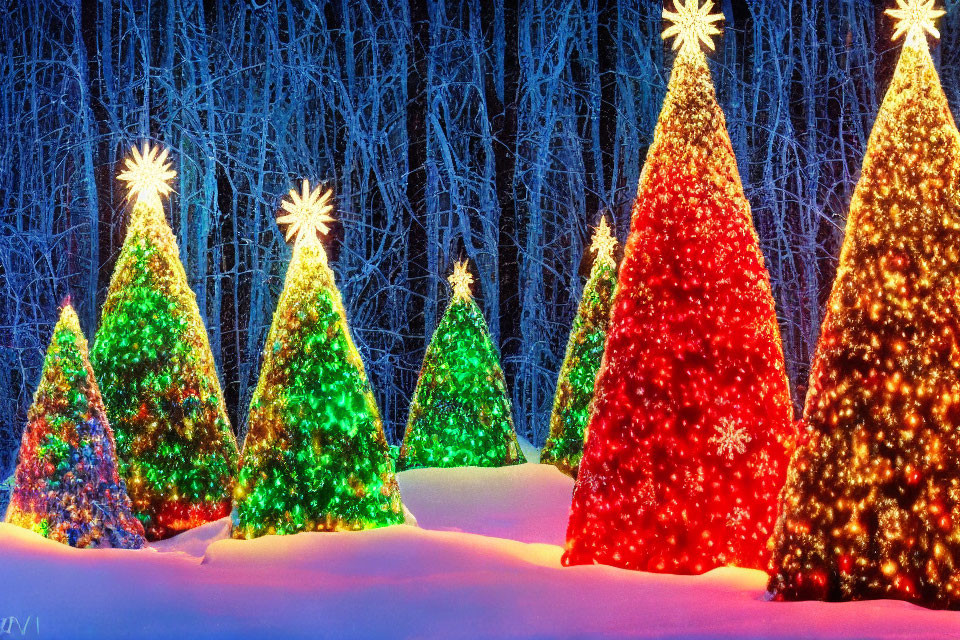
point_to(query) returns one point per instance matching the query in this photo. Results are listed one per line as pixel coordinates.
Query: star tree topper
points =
(308, 213)
(692, 25)
(604, 242)
(460, 280)
(148, 173)
(915, 18)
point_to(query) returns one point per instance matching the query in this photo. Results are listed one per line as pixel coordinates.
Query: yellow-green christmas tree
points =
(871, 507)
(315, 456)
(571, 405)
(157, 374)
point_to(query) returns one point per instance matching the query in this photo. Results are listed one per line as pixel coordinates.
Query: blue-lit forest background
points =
(492, 130)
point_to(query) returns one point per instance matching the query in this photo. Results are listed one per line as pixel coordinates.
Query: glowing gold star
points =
(604, 242)
(692, 25)
(460, 280)
(914, 17)
(147, 173)
(307, 213)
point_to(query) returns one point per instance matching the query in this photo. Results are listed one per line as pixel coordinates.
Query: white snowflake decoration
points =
(731, 439)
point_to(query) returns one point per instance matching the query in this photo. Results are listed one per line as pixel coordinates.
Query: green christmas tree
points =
(315, 456)
(460, 414)
(155, 367)
(67, 487)
(571, 405)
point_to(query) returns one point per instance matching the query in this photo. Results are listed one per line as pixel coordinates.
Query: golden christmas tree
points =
(871, 508)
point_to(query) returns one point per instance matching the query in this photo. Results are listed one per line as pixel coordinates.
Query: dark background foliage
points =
(493, 130)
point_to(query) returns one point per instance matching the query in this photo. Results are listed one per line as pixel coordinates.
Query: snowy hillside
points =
(459, 576)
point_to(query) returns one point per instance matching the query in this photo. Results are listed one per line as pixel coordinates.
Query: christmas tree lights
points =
(571, 405)
(67, 487)
(460, 414)
(691, 427)
(153, 360)
(871, 507)
(315, 457)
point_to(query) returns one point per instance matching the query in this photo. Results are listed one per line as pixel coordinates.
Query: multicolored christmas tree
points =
(67, 487)
(571, 406)
(460, 414)
(871, 508)
(315, 456)
(692, 423)
(153, 360)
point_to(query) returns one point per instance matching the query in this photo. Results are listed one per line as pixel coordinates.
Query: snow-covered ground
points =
(484, 564)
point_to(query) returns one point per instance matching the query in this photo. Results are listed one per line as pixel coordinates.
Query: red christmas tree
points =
(692, 424)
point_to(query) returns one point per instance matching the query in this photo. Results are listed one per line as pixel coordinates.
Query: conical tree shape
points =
(155, 367)
(315, 456)
(691, 429)
(460, 415)
(871, 508)
(571, 405)
(67, 487)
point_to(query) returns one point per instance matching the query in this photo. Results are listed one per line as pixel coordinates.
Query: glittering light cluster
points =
(153, 360)
(460, 413)
(571, 405)
(67, 487)
(692, 26)
(871, 507)
(315, 456)
(692, 425)
(148, 174)
(308, 213)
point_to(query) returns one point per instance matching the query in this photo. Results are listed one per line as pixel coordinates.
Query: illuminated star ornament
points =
(460, 280)
(308, 214)
(148, 173)
(692, 25)
(604, 242)
(915, 18)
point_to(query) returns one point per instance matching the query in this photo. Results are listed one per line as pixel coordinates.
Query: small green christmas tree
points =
(460, 414)
(315, 456)
(155, 367)
(67, 487)
(571, 406)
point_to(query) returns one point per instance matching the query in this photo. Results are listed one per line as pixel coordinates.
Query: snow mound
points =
(195, 541)
(530, 452)
(407, 582)
(526, 502)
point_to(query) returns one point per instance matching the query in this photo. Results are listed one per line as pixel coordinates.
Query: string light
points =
(571, 405)
(315, 456)
(460, 414)
(691, 426)
(152, 356)
(871, 507)
(67, 487)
